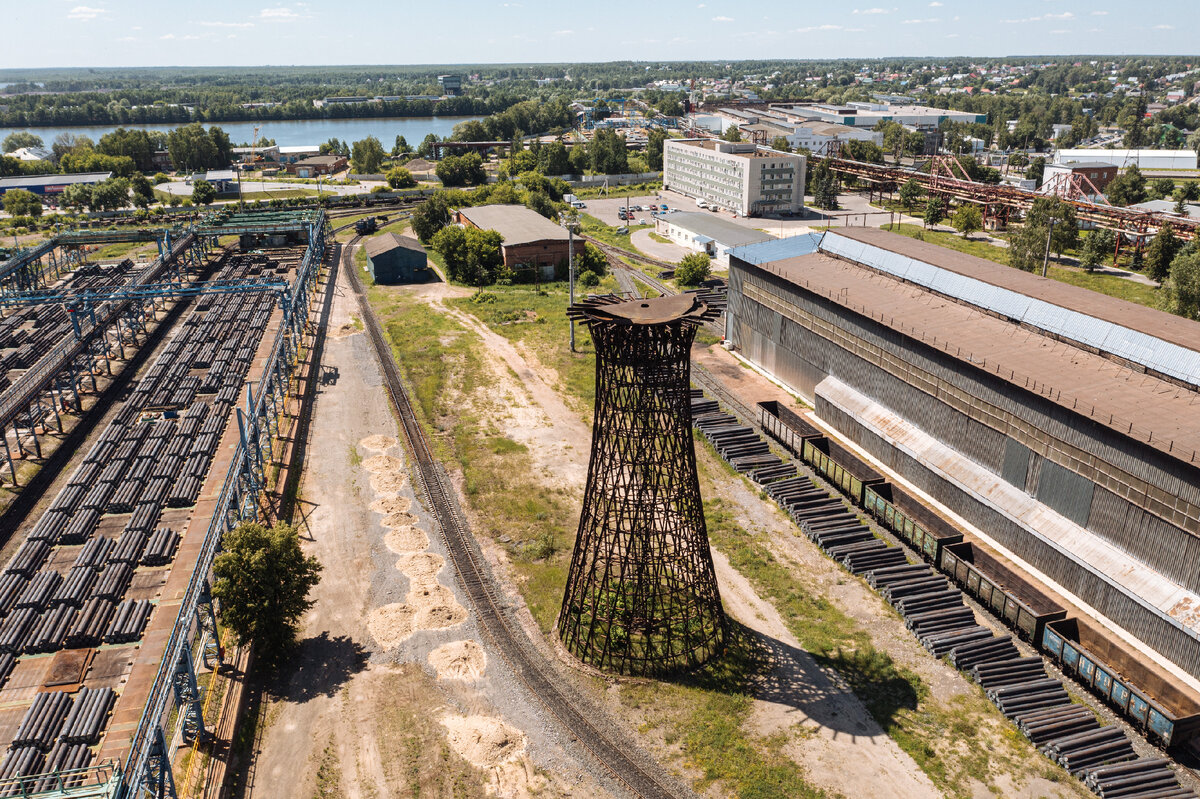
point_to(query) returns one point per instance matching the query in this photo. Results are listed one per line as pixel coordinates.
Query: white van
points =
(701, 203)
(579, 204)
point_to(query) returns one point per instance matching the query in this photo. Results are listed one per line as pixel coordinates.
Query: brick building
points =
(530, 239)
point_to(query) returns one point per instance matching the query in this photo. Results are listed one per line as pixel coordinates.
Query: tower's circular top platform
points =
(689, 307)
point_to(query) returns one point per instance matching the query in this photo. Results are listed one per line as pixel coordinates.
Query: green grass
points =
(707, 712)
(634, 190)
(275, 194)
(660, 239)
(1105, 284)
(608, 234)
(121, 249)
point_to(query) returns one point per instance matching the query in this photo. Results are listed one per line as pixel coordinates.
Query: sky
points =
(67, 33)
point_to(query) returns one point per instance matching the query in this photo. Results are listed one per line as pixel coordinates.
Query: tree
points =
(910, 192)
(77, 196)
(1066, 229)
(20, 202)
(1181, 290)
(66, 142)
(732, 133)
(1097, 246)
(367, 155)
(137, 145)
(18, 139)
(143, 192)
(967, 219)
(425, 148)
(693, 268)
(1161, 253)
(461, 170)
(111, 194)
(203, 192)
(607, 153)
(1127, 188)
(191, 147)
(262, 580)
(654, 148)
(400, 178)
(1160, 188)
(1180, 204)
(588, 279)
(471, 255)
(823, 184)
(431, 216)
(935, 211)
(780, 143)
(865, 151)
(553, 160)
(400, 147)
(1036, 170)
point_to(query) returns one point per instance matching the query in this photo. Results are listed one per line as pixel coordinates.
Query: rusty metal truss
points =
(641, 596)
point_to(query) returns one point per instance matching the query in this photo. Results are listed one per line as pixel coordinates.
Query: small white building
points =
(1144, 159)
(298, 152)
(30, 154)
(704, 232)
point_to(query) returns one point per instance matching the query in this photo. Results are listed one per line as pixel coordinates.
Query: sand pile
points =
(399, 520)
(388, 482)
(377, 443)
(406, 539)
(458, 660)
(421, 567)
(391, 625)
(390, 504)
(482, 741)
(377, 464)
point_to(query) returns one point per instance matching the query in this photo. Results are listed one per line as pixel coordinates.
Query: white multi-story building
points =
(736, 176)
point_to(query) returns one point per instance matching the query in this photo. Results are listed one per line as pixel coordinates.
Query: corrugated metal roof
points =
(516, 223)
(777, 249)
(1167, 357)
(21, 181)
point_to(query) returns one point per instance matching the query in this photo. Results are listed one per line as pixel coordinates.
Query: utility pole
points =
(570, 222)
(1049, 235)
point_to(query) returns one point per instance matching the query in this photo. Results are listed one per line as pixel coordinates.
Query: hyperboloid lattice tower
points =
(641, 596)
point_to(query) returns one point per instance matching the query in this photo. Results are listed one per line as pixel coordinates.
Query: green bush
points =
(693, 268)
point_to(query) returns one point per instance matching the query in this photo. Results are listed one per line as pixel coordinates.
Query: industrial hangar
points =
(1056, 423)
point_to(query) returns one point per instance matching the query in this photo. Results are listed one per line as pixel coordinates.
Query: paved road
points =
(657, 249)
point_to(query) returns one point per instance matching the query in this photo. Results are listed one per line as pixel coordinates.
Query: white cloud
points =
(1063, 15)
(85, 13)
(702, 5)
(1164, 27)
(951, 35)
(1099, 13)
(827, 27)
(722, 19)
(920, 21)
(870, 11)
(225, 24)
(1060, 32)
(935, 4)
(278, 13)
(167, 36)
(567, 32)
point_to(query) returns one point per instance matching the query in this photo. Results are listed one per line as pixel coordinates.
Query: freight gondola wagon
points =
(1150, 700)
(1008, 595)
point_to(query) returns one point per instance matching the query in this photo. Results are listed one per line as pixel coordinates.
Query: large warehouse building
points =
(1059, 422)
(737, 176)
(530, 239)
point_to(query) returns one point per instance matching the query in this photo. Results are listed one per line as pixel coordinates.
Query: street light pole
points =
(569, 222)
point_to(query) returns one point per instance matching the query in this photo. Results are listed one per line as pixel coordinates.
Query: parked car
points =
(622, 230)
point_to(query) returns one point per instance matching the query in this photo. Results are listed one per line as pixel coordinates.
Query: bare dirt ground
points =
(392, 692)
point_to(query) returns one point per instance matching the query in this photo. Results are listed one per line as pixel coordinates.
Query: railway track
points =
(584, 724)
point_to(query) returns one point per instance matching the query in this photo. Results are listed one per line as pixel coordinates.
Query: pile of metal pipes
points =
(739, 445)
(1137, 779)
(88, 715)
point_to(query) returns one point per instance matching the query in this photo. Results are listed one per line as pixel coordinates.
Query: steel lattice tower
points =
(641, 597)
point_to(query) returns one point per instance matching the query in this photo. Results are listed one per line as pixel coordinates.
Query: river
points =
(286, 133)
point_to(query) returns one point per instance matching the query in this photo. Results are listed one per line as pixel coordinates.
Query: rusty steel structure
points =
(1000, 203)
(641, 596)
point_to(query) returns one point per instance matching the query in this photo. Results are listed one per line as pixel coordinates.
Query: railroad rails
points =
(539, 677)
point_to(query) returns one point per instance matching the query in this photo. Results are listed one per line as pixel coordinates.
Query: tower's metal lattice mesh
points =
(641, 597)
